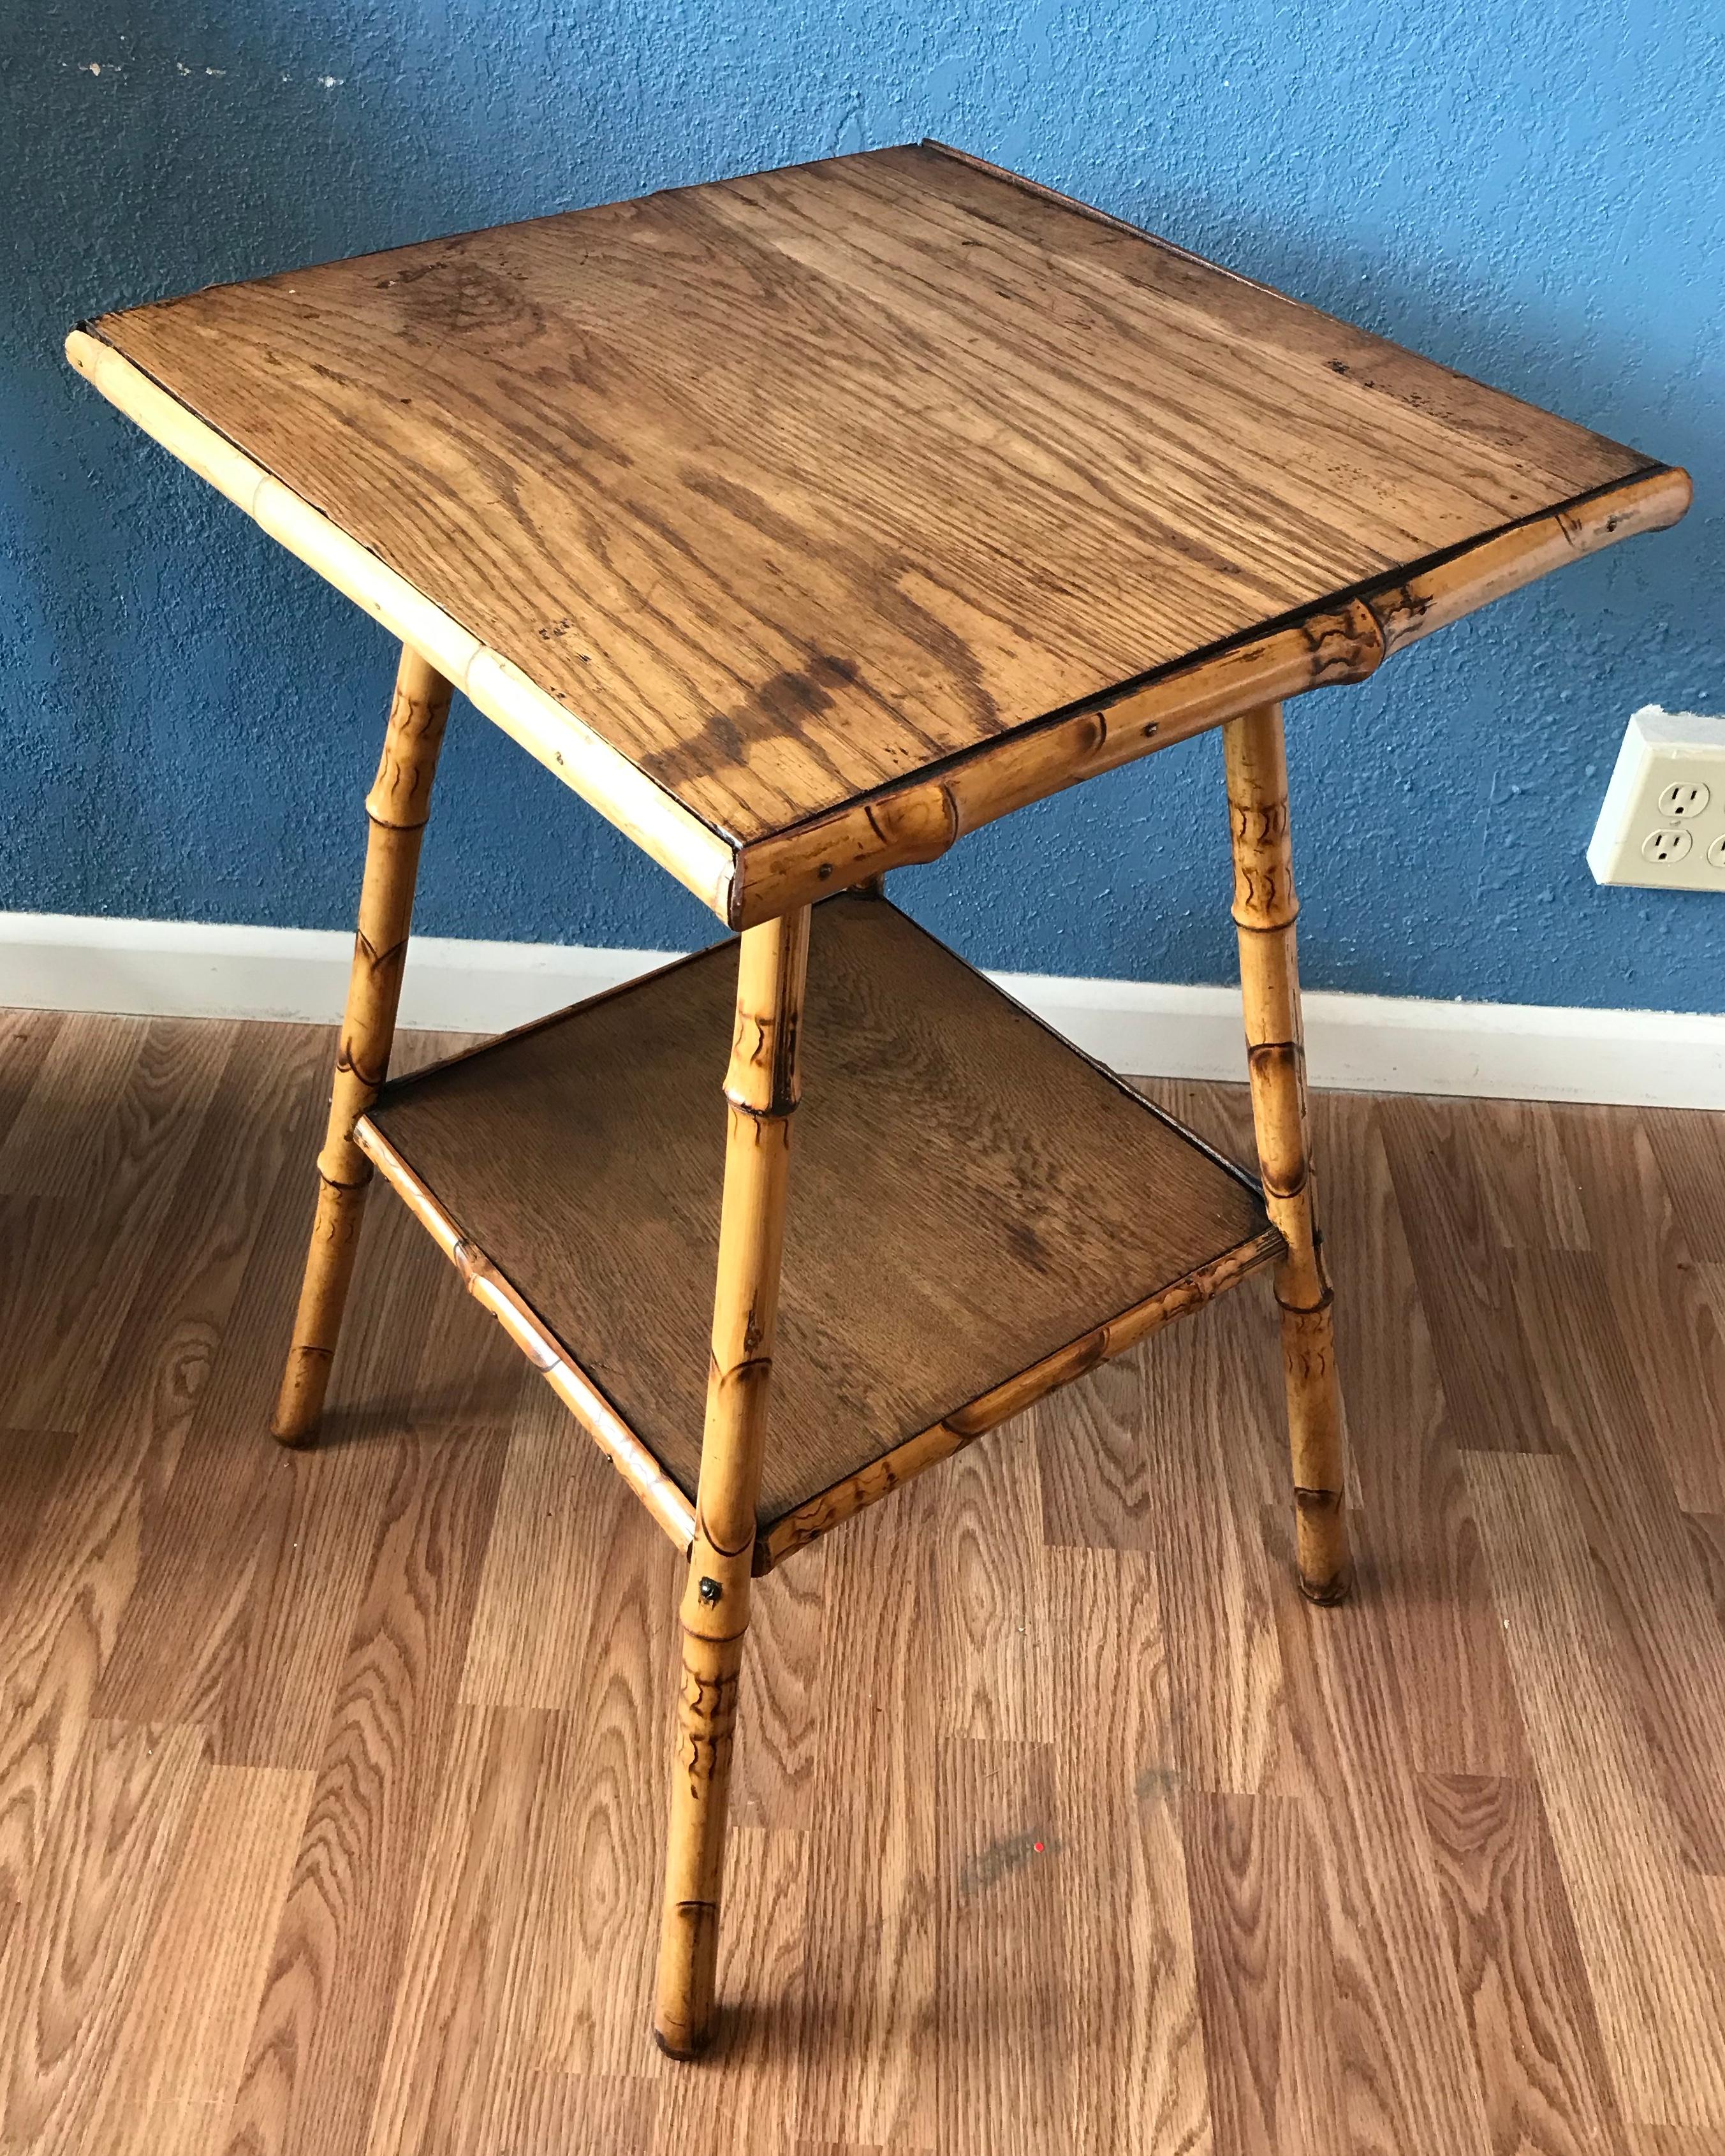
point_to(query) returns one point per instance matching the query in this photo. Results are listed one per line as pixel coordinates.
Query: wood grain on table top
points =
(793, 486)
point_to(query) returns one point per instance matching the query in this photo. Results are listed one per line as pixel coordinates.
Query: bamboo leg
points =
(761, 1085)
(1265, 907)
(396, 806)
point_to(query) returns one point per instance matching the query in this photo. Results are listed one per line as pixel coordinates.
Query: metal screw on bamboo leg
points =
(761, 1087)
(397, 807)
(1265, 909)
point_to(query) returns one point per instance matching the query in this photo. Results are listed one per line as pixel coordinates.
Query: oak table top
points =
(804, 520)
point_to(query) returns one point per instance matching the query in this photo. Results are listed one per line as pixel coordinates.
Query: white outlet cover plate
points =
(1668, 788)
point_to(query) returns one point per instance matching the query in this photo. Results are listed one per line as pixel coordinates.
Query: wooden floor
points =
(331, 1787)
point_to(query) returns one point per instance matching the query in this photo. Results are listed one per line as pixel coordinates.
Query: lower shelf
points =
(978, 1214)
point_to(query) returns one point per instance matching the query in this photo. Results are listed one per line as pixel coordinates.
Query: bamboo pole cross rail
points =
(802, 524)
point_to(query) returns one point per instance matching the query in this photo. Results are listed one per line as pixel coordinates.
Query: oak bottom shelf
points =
(978, 1214)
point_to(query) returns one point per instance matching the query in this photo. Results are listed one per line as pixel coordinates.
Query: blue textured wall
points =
(1527, 190)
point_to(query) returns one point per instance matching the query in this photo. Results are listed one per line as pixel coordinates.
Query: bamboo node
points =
(771, 1055)
(1307, 1309)
(395, 823)
(705, 1534)
(1264, 896)
(338, 1182)
(918, 826)
(775, 1112)
(1346, 646)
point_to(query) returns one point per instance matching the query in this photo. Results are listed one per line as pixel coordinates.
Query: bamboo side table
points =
(801, 524)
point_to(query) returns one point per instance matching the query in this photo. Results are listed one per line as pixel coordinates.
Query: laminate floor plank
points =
(1698, 1310)
(1417, 1544)
(1707, 1539)
(991, 1649)
(1669, 1329)
(1690, 1151)
(67, 1127)
(464, 2009)
(316, 2050)
(534, 1604)
(1654, 1596)
(1393, 1973)
(221, 1628)
(1535, 2035)
(1462, 1270)
(856, 2149)
(1100, 1487)
(1532, 1194)
(143, 1149)
(1220, 1115)
(568, 2115)
(1212, 1423)
(1652, 1966)
(333, 1785)
(75, 1959)
(999, 1983)
(165, 2082)
(62, 1605)
(869, 2043)
(1261, 1928)
(773, 1769)
(26, 1037)
(595, 1956)
(1126, 2018)
(31, 1462)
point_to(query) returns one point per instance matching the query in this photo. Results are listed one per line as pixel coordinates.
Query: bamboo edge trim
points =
(588, 764)
(921, 819)
(1347, 641)
(633, 1460)
(817, 1515)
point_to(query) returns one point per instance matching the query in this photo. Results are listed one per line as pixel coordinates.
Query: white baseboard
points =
(1368, 1043)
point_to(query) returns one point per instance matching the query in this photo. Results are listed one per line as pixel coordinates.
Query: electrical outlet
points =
(1663, 822)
